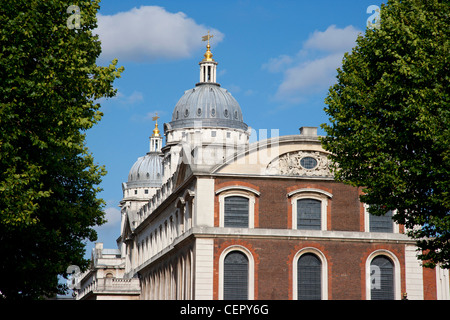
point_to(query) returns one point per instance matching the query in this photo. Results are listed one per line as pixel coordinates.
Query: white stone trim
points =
(395, 229)
(413, 274)
(329, 195)
(241, 193)
(237, 187)
(204, 269)
(251, 270)
(442, 283)
(276, 234)
(307, 193)
(203, 214)
(324, 272)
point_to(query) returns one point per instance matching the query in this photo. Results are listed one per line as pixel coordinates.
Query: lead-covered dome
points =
(147, 171)
(207, 105)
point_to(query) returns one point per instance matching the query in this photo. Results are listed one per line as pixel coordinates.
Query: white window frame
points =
(238, 191)
(310, 193)
(397, 270)
(251, 270)
(324, 273)
(395, 228)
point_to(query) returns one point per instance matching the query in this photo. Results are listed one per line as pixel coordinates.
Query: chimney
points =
(308, 131)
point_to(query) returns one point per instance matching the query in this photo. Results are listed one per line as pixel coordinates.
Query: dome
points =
(210, 104)
(147, 171)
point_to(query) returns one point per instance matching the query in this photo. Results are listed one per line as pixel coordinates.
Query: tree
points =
(49, 89)
(389, 129)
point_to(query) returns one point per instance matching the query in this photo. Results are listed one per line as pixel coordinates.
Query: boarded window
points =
(309, 277)
(236, 212)
(381, 223)
(309, 214)
(235, 276)
(381, 279)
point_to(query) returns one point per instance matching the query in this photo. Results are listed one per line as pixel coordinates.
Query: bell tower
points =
(156, 138)
(208, 66)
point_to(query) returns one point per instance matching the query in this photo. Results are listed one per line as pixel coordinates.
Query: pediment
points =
(292, 156)
(301, 163)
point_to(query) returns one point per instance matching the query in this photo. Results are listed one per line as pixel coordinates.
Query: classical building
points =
(105, 278)
(209, 215)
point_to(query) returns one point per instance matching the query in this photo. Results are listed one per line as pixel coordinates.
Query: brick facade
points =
(346, 258)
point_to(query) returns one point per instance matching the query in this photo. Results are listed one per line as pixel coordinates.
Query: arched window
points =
(309, 208)
(309, 214)
(381, 278)
(237, 206)
(309, 277)
(236, 212)
(235, 276)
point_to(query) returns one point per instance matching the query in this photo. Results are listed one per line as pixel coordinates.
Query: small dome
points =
(147, 171)
(210, 104)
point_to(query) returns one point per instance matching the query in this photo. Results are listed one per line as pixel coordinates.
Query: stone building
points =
(209, 215)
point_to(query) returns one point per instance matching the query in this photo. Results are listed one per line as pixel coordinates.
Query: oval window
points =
(308, 162)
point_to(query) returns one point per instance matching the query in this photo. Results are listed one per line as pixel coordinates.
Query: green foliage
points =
(389, 128)
(49, 83)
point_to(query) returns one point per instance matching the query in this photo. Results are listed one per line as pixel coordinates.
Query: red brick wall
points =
(346, 263)
(429, 284)
(274, 257)
(274, 210)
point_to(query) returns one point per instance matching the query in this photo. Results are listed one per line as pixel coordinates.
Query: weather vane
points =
(155, 118)
(208, 55)
(207, 37)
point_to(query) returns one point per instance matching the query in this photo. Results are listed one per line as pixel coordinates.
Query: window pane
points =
(235, 276)
(381, 223)
(236, 212)
(382, 279)
(308, 163)
(309, 274)
(309, 214)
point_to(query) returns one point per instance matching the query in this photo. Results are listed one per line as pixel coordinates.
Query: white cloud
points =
(277, 64)
(309, 77)
(123, 99)
(149, 33)
(313, 68)
(112, 215)
(134, 97)
(333, 39)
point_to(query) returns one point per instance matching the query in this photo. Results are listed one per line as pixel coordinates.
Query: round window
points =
(308, 162)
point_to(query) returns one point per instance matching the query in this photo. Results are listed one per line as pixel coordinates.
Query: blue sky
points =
(277, 58)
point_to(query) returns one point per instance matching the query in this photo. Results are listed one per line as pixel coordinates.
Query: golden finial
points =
(156, 130)
(208, 55)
